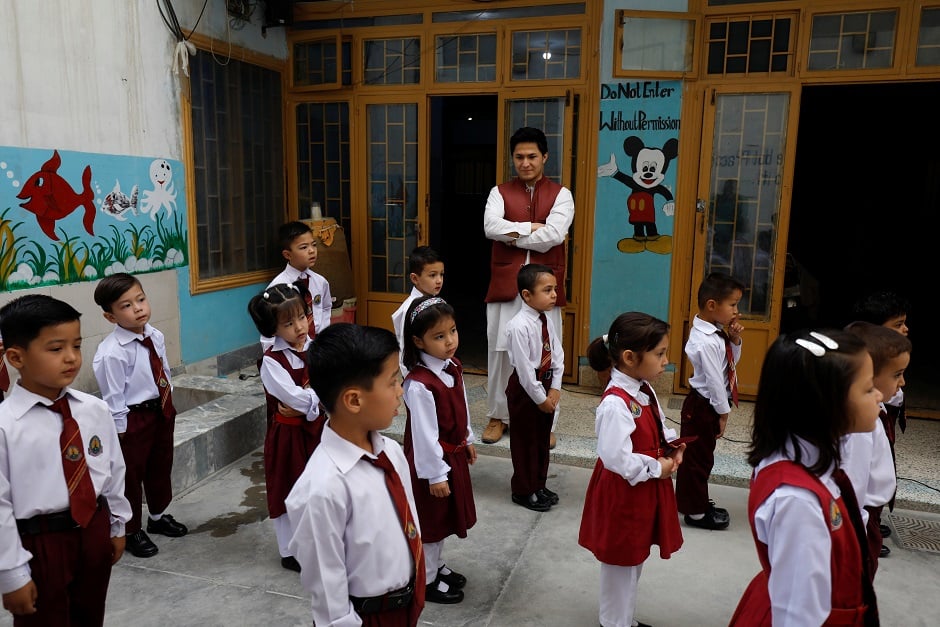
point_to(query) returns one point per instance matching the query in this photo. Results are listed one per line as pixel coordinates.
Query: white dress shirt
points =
(524, 334)
(497, 227)
(799, 546)
(428, 454)
(317, 285)
(32, 480)
(614, 424)
(122, 368)
(398, 323)
(709, 359)
(279, 384)
(867, 460)
(346, 532)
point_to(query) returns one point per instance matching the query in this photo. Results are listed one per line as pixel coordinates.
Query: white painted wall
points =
(96, 76)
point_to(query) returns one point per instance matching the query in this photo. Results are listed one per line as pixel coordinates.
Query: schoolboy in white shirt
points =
(426, 272)
(62, 504)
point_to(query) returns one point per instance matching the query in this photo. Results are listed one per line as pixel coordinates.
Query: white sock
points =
(696, 516)
(156, 516)
(444, 570)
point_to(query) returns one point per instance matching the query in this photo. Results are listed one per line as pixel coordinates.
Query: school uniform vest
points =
(456, 514)
(620, 521)
(848, 607)
(506, 260)
(288, 443)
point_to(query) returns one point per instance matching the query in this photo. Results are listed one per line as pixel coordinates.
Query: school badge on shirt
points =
(317, 299)
(835, 515)
(635, 409)
(412, 531)
(94, 446)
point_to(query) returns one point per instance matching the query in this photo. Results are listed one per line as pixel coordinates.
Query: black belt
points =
(49, 523)
(394, 600)
(153, 405)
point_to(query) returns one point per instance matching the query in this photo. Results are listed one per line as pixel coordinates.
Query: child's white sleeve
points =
(279, 384)
(428, 454)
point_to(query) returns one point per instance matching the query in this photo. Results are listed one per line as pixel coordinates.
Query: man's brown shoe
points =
(494, 431)
(551, 441)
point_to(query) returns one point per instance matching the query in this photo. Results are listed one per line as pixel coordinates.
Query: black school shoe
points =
(885, 551)
(290, 563)
(434, 595)
(532, 501)
(166, 526)
(547, 495)
(720, 513)
(709, 521)
(885, 531)
(139, 544)
(453, 579)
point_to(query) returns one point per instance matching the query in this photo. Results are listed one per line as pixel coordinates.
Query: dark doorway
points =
(866, 212)
(463, 170)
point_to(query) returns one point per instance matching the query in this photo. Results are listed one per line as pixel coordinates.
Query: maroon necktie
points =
(545, 363)
(159, 377)
(654, 407)
(855, 518)
(82, 500)
(4, 376)
(305, 377)
(400, 499)
(732, 372)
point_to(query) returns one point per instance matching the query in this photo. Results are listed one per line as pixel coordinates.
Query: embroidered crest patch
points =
(317, 299)
(72, 453)
(635, 409)
(547, 347)
(412, 531)
(835, 515)
(94, 446)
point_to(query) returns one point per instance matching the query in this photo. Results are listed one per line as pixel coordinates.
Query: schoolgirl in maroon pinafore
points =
(295, 423)
(630, 503)
(438, 441)
(804, 516)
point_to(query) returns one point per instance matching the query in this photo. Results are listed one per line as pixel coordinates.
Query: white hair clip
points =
(818, 349)
(604, 337)
(294, 287)
(812, 347)
(825, 340)
(265, 295)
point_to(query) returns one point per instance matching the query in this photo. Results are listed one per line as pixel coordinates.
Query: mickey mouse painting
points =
(649, 167)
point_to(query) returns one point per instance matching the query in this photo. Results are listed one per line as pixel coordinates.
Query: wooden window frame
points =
(338, 41)
(505, 60)
(911, 57)
(696, 35)
(206, 45)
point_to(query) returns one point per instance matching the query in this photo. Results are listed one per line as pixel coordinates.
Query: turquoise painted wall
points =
(214, 322)
(637, 278)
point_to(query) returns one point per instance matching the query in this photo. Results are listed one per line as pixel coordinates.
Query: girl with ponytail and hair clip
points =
(815, 387)
(294, 420)
(630, 503)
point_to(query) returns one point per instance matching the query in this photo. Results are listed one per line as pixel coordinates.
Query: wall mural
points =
(639, 129)
(63, 221)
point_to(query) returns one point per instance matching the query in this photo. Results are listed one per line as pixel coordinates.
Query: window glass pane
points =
(928, 38)
(853, 41)
(540, 55)
(393, 202)
(392, 61)
(323, 161)
(238, 165)
(657, 44)
(316, 62)
(745, 190)
(742, 45)
(465, 58)
(536, 12)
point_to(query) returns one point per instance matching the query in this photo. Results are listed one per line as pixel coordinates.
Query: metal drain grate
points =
(916, 533)
(675, 402)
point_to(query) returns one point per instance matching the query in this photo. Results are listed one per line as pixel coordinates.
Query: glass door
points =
(744, 209)
(395, 209)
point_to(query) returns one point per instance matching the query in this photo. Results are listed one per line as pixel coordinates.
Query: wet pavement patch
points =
(254, 498)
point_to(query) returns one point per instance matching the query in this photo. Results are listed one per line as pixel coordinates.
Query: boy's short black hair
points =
(883, 344)
(528, 134)
(529, 275)
(111, 288)
(879, 307)
(23, 319)
(289, 231)
(345, 355)
(420, 257)
(717, 286)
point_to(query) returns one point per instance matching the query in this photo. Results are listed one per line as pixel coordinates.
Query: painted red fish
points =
(51, 197)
